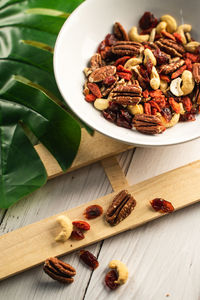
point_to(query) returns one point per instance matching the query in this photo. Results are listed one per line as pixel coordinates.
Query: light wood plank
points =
(114, 173)
(92, 149)
(30, 245)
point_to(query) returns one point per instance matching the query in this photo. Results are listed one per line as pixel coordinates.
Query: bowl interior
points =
(78, 41)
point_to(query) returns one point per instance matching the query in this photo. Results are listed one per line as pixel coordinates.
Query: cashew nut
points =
(155, 79)
(188, 37)
(66, 225)
(135, 37)
(134, 61)
(188, 82)
(163, 85)
(136, 109)
(152, 35)
(171, 23)
(148, 54)
(192, 46)
(182, 29)
(161, 26)
(101, 103)
(121, 270)
(182, 110)
(174, 120)
(175, 87)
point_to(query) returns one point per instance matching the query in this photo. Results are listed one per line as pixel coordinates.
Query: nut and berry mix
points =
(147, 79)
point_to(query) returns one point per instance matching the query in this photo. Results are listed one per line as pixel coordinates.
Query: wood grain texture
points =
(30, 245)
(92, 149)
(114, 173)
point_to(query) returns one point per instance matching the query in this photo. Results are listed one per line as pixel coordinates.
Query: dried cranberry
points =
(148, 21)
(110, 279)
(81, 225)
(77, 235)
(89, 259)
(166, 113)
(93, 211)
(162, 205)
(110, 39)
(109, 115)
(161, 57)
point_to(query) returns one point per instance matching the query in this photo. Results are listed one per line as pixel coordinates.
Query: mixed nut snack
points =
(148, 80)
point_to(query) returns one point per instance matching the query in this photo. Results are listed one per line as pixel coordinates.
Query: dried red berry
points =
(81, 225)
(187, 103)
(161, 57)
(168, 35)
(121, 60)
(178, 72)
(145, 93)
(187, 117)
(77, 235)
(89, 259)
(162, 205)
(90, 98)
(155, 105)
(120, 68)
(110, 279)
(166, 113)
(109, 80)
(147, 21)
(93, 87)
(175, 106)
(165, 78)
(93, 211)
(124, 75)
(102, 46)
(178, 37)
(147, 108)
(193, 57)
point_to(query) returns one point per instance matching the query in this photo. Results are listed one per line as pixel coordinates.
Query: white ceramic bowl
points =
(78, 41)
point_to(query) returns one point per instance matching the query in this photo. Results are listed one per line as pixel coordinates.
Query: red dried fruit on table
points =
(124, 75)
(161, 57)
(81, 225)
(77, 235)
(101, 47)
(165, 78)
(192, 57)
(160, 101)
(168, 35)
(175, 105)
(147, 108)
(155, 105)
(109, 80)
(122, 60)
(120, 68)
(89, 259)
(178, 72)
(187, 103)
(93, 87)
(156, 94)
(110, 279)
(148, 21)
(162, 205)
(188, 64)
(90, 98)
(178, 37)
(154, 111)
(93, 211)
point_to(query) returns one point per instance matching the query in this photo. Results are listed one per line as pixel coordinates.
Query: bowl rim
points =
(85, 120)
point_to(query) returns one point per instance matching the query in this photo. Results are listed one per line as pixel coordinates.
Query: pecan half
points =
(126, 94)
(127, 48)
(58, 270)
(120, 208)
(119, 32)
(196, 72)
(148, 124)
(175, 64)
(170, 47)
(101, 73)
(95, 61)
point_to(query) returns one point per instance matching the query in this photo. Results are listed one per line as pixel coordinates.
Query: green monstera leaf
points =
(29, 98)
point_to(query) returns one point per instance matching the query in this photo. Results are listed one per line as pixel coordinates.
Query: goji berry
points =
(90, 98)
(77, 235)
(81, 225)
(125, 76)
(155, 105)
(156, 93)
(147, 108)
(120, 68)
(177, 37)
(188, 64)
(165, 78)
(162, 205)
(89, 259)
(145, 93)
(187, 103)
(154, 111)
(168, 35)
(175, 106)
(192, 57)
(93, 87)
(122, 60)
(178, 72)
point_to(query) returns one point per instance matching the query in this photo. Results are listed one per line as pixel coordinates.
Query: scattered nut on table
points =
(121, 269)
(66, 228)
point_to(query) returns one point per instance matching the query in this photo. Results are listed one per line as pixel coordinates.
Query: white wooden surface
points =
(162, 256)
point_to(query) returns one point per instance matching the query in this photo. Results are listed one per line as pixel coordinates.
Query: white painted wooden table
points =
(163, 256)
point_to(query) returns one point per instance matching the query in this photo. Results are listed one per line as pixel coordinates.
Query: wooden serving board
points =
(31, 245)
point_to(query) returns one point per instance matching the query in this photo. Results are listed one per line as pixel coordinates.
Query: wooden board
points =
(31, 245)
(92, 149)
